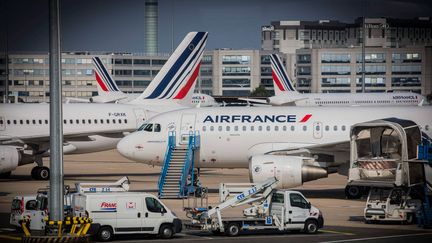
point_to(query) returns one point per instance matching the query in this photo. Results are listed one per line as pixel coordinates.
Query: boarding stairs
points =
(177, 175)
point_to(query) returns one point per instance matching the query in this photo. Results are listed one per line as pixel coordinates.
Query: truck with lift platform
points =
(385, 161)
(271, 209)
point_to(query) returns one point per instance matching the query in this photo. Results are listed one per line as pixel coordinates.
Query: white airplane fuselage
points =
(229, 137)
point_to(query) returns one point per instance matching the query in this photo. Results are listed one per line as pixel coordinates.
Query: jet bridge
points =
(384, 154)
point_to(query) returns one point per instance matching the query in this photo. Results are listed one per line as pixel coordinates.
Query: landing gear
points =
(41, 173)
(354, 192)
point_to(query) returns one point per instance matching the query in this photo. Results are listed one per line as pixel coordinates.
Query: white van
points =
(125, 213)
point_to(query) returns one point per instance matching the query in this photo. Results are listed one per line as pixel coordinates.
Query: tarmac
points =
(343, 217)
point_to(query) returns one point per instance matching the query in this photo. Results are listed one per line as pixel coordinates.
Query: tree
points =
(260, 91)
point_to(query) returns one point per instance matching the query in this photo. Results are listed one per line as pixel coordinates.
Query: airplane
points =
(295, 144)
(24, 128)
(109, 92)
(287, 95)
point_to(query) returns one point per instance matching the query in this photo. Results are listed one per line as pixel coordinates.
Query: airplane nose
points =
(125, 147)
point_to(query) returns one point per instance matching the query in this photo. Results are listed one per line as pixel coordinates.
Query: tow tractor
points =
(271, 209)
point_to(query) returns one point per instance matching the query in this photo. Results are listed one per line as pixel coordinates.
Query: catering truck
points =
(114, 210)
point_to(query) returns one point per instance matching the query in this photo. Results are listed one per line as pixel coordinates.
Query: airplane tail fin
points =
(281, 82)
(104, 80)
(177, 78)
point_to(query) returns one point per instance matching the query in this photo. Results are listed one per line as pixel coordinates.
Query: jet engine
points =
(291, 171)
(9, 158)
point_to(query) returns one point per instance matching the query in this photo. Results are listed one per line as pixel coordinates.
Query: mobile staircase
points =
(177, 178)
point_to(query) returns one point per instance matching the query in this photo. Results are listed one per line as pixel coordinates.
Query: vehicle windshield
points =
(379, 194)
(16, 204)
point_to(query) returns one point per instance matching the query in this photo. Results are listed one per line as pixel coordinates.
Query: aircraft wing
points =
(343, 146)
(254, 100)
(66, 136)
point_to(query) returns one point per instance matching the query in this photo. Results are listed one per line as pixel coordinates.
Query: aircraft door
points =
(317, 130)
(141, 116)
(187, 126)
(2, 123)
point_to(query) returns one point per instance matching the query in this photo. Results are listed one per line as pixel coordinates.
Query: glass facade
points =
(335, 82)
(406, 69)
(406, 57)
(406, 81)
(304, 70)
(335, 70)
(372, 69)
(371, 58)
(233, 83)
(304, 58)
(236, 59)
(335, 58)
(371, 82)
(236, 71)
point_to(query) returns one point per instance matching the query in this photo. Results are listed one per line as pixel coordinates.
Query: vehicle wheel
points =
(5, 175)
(311, 226)
(41, 173)
(353, 192)
(105, 233)
(410, 219)
(166, 231)
(233, 229)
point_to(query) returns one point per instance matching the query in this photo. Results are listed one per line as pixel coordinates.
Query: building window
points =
(406, 81)
(304, 58)
(236, 71)
(406, 69)
(335, 58)
(304, 70)
(335, 82)
(233, 83)
(335, 70)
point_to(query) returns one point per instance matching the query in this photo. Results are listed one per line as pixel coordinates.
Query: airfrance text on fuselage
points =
(253, 119)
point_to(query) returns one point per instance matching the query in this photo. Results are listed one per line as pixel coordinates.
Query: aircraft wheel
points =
(41, 173)
(353, 192)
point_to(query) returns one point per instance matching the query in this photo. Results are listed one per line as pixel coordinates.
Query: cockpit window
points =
(157, 127)
(150, 127)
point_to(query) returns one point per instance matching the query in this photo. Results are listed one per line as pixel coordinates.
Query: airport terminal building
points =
(326, 56)
(320, 56)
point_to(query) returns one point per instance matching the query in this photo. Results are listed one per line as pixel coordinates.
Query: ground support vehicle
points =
(271, 209)
(114, 210)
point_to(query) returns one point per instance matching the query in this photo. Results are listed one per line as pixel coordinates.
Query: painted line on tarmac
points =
(336, 232)
(377, 238)
(7, 229)
(10, 237)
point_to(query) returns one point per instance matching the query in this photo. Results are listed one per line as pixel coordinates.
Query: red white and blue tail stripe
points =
(281, 81)
(103, 77)
(176, 79)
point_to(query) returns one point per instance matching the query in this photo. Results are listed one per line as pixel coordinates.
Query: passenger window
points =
(343, 128)
(15, 122)
(125, 121)
(236, 128)
(77, 121)
(107, 121)
(70, 121)
(335, 128)
(227, 128)
(260, 128)
(220, 128)
(292, 128)
(327, 128)
(27, 122)
(64, 121)
(101, 120)
(40, 122)
(83, 121)
(212, 128)
(204, 128)
(154, 206)
(46, 121)
(278, 198)
(119, 121)
(276, 128)
(89, 121)
(95, 121)
(34, 122)
(284, 128)
(298, 201)
(252, 128)
(21, 122)
(317, 128)
(114, 121)
(157, 127)
(268, 128)
(244, 128)
(304, 128)
(8, 122)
